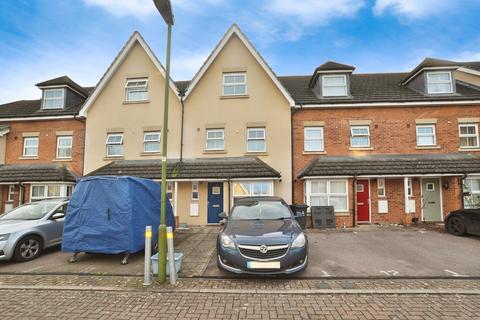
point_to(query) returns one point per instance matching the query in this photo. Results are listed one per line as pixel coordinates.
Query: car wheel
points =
(28, 248)
(456, 226)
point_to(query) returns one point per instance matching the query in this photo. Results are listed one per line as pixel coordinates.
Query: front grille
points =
(253, 251)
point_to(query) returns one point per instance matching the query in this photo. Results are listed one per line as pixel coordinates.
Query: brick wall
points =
(47, 142)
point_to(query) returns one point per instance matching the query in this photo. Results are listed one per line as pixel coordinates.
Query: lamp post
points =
(164, 7)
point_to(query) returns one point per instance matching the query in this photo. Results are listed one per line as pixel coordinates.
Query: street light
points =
(164, 7)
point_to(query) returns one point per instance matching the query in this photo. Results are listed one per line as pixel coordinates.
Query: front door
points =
(215, 201)
(432, 205)
(363, 201)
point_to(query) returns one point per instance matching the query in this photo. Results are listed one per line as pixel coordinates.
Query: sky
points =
(44, 39)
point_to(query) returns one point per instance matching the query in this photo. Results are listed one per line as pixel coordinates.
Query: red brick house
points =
(41, 144)
(390, 147)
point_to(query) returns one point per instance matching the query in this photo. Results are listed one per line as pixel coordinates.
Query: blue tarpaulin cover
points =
(109, 215)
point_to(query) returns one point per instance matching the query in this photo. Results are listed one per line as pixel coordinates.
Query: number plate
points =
(263, 265)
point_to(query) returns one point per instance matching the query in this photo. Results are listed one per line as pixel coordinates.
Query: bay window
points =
(252, 188)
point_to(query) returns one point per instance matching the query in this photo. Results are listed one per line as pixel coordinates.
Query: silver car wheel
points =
(29, 248)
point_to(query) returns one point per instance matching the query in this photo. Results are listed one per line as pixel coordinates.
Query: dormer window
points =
(439, 82)
(334, 85)
(136, 90)
(53, 98)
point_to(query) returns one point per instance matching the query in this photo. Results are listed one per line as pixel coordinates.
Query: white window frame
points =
(450, 81)
(215, 139)
(25, 139)
(70, 138)
(426, 135)
(469, 200)
(250, 191)
(195, 190)
(309, 192)
(352, 136)
(131, 85)
(326, 86)
(115, 143)
(468, 135)
(146, 141)
(63, 191)
(11, 193)
(244, 83)
(409, 187)
(381, 190)
(306, 139)
(264, 130)
(45, 98)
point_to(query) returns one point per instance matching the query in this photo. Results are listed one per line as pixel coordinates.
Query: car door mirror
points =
(57, 215)
(223, 215)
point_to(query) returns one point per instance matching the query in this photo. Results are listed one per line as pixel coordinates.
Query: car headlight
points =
(299, 241)
(226, 242)
(4, 236)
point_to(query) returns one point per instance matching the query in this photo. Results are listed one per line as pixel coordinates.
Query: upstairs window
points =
(215, 139)
(64, 147)
(426, 135)
(334, 85)
(468, 135)
(313, 137)
(136, 90)
(151, 142)
(234, 84)
(256, 140)
(114, 145)
(53, 98)
(30, 147)
(439, 82)
(360, 136)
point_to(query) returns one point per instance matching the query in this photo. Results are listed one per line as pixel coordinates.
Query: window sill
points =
(114, 158)
(469, 149)
(28, 158)
(342, 214)
(244, 96)
(62, 160)
(262, 153)
(136, 102)
(314, 152)
(214, 151)
(360, 148)
(427, 147)
(146, 154)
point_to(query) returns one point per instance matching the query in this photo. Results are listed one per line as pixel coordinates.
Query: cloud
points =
(184, 66)
(467, 56)
(412, 8)
(314, 12)
(137, 8)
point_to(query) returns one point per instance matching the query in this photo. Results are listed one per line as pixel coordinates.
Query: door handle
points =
(431, 202)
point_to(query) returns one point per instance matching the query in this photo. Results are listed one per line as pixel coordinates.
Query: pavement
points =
(110, 297)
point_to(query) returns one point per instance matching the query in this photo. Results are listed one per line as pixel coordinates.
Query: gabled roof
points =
(235, 30)
(136, 37)
(328, 67)
(393, 164)
(63, 81)
(201, 168)
(430, 63)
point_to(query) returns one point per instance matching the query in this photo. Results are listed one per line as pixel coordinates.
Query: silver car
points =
(27, 230)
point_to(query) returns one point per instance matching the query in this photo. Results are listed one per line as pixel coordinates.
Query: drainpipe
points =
(181, 93)
(462, 189)
(354, 209)
(292, 158)
(229, 195)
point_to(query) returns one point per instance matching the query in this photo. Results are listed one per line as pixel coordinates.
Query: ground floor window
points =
(11, 193)
(46, 191)
(472, 188)
(252, 188)
(328, 193)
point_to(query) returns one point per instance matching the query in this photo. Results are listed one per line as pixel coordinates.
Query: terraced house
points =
(390, 147)
(41, 144)
(229, 127)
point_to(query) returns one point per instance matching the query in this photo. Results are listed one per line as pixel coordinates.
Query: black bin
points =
(323, 217)
(300, 212)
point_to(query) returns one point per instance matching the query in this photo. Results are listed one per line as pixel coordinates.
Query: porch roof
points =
(378, 165)
(50, 172)
(190, 169)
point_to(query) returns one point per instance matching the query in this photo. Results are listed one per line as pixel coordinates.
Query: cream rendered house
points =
(229, 127)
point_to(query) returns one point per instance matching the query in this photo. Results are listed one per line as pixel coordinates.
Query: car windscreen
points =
(260, 210)
(31, 211)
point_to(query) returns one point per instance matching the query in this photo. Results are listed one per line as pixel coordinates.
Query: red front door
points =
(363, 201)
